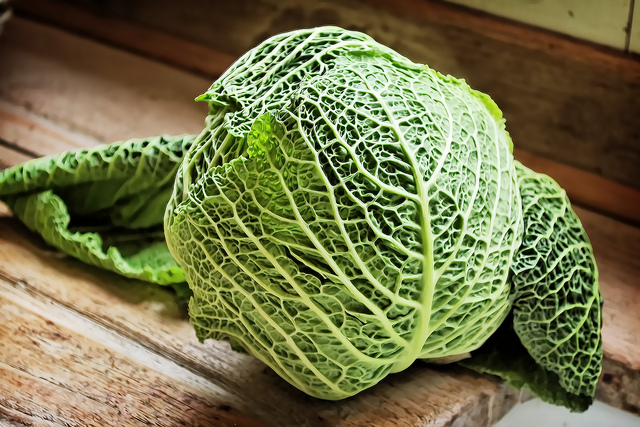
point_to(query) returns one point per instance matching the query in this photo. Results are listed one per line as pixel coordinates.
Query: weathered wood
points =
(588, 189)
(36, 136)
(148, 314)
(153, 44)
(620, 386)
(568, 101)
(69, 377)
(524, 36)
(40, 126)
(9, 156)
(107, 96)
(12, 418)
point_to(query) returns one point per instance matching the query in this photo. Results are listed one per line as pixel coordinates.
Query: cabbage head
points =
(344, 213)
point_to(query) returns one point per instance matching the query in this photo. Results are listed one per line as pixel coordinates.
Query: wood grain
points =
(148, 314)
(37, 136)
(147, 42)
(588, 189)
(10, 157)
(32, 121)
(99, 92)
(502, 30)
(568, 101)
(13, 418)
(55, 374)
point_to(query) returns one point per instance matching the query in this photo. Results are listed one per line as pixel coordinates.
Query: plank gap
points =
(629, 27)
(15, 147)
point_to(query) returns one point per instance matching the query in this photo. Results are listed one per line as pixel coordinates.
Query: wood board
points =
(32, 94)
(556, 93)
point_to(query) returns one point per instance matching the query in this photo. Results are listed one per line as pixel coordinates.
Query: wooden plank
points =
(57, 76)
(560, 97)
(10, 157)
(530, 39)
(55, 374)
(620, 386)
(12, 418)
(593, 20)
(234, 28)
(37, 136)
(153, 44)
(148, 314)
(588, 189)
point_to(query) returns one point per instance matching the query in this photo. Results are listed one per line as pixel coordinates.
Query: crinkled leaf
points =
(104, 205)
(368, 221)
(504, 355)
(557, 311)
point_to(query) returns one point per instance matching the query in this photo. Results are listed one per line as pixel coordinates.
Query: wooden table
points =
(80, 346)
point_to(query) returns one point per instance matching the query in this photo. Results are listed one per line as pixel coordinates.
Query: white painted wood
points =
(634, 37)
(598, 21)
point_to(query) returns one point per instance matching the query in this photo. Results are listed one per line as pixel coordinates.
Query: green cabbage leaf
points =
(345, 212)
(104, 205)
(552, 343)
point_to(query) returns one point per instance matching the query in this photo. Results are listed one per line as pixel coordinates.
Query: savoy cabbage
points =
(344, 213)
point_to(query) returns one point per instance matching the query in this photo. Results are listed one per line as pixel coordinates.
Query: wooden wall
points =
(574, 103)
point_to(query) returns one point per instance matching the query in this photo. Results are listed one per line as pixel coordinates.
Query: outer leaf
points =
(557, 312)
(558, 308)
(103, 206)
(370, 223)
(504, 355)
(141, 255)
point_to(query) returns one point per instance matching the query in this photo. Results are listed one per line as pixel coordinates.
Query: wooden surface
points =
(82, 346)
(556, 93)
(586, 188)
(59, 367)
(152, 43)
